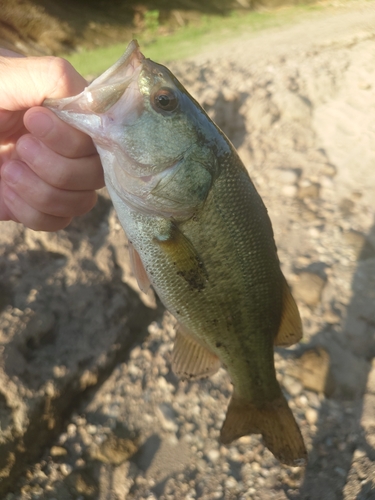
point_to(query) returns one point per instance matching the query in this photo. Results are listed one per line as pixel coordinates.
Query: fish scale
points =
(200, 234)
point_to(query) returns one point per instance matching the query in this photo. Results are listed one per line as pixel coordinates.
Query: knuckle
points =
(61, 73)
(61, 178)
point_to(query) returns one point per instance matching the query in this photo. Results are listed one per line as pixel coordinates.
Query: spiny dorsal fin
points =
(138, 269)
(190, 359)
(290, 331)
(274, 420)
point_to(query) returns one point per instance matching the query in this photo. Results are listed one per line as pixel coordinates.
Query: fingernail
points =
(39, 124)
(28, 148)
(11, 172)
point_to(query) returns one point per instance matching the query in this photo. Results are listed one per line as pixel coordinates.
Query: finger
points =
(82, 174)
(43, 197)
(9, 123)
(57, 135)
(20, 211)
(51, 77)
(5, 212)
(9, 53)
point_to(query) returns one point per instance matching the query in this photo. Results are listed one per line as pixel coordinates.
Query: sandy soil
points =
(89, 407)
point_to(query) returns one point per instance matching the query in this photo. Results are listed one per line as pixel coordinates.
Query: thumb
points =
(27, 81)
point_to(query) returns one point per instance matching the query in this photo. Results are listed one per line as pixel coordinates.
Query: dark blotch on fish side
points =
(193, 278)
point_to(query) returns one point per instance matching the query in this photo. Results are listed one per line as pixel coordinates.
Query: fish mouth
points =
(88, 111)
(103, 110)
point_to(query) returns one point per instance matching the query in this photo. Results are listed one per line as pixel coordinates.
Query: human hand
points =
(49, 171)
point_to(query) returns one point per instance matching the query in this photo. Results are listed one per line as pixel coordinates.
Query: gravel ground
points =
(299, 105)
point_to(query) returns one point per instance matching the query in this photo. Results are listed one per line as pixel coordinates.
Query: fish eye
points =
(164, 99)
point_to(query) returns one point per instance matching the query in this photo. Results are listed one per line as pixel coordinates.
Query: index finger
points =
(27, 81)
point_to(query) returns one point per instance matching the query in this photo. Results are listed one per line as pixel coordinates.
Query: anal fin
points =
(290, 330)
(138, 269)
(274, 420)
(190, 359)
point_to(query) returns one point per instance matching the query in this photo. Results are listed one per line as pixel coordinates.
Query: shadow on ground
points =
(343, 454)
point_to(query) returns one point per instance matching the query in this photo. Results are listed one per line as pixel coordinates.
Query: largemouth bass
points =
(200, 234)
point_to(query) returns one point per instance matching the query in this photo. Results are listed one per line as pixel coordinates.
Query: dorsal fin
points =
(190, 359)
(138, 269)
(290, 330)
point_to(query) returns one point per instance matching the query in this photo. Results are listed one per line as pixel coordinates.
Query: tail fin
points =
(274, 420)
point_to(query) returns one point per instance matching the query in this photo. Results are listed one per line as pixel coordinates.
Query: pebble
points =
(256, 466)
(289, 191)
(286, 176)
(310, 190)
(91, 429)
(368, 412)
(292, 386)
(65, 469)
(230, 483)
(58, 451)
(331, 317)
(71, 430)
(311, 416)
(213, 455)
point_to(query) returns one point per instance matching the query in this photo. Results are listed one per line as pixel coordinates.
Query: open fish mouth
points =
(93, 109)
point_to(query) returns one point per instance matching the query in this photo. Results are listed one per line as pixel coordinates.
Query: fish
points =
(200, 235)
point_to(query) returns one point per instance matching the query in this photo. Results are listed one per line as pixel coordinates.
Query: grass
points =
(190, 39)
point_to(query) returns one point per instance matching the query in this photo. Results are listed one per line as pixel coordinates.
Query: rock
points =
(346, 206)
(213, 455)
(114, 450)
(311, 416)
(291, 385)
(368, 413)
(289, 191)
(84, 482)
(308, 288)
(66, 469)
(329, 170)
(287, 176)
(308, 189)
(314, 371)
(58, 451)
(167, 417)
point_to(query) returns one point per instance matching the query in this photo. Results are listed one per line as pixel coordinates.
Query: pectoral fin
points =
(190, 359)
(138, 269)
(290, 331)
(184, 257)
